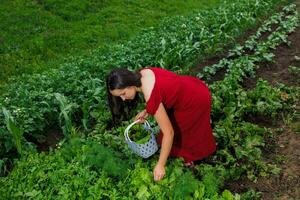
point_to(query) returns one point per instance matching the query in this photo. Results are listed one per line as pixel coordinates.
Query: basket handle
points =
(146, 123)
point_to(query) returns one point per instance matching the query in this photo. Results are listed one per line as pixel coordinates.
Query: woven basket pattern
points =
(144, 150)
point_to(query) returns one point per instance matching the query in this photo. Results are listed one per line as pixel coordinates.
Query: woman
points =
(181, 106)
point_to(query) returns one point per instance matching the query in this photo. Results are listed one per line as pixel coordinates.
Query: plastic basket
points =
(144, 150)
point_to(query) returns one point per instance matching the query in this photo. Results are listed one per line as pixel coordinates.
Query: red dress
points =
(187, 101)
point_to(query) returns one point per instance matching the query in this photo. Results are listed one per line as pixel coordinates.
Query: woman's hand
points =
(166, 127)
(159, 172)
(141, 116)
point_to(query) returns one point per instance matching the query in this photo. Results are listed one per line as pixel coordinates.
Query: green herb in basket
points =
(139, 135)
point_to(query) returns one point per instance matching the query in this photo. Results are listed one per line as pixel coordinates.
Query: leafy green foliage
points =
(65, 113)
(211, 183)
(43, 176)
(100, 167)
(16, 132)
(184, 186)
(103, 159)
(266, 99)
(76, 170)
(98, 157)
(139, 135)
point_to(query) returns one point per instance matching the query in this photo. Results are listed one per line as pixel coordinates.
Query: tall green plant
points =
(16, 132)
(66, 109)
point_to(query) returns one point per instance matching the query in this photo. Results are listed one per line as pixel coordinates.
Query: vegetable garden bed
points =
(100, 166)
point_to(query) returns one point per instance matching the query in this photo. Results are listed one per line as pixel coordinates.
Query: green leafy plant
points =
(65, 113)
(184, 186)
(15, 131)
(139, 135)
(295, 71)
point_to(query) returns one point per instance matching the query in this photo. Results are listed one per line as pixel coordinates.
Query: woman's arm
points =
(165, 125)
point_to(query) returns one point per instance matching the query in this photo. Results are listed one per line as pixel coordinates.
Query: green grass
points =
(38, 35)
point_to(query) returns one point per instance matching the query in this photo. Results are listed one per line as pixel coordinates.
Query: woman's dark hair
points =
(120, 78)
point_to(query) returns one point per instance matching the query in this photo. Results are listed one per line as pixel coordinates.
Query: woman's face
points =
(127, 93)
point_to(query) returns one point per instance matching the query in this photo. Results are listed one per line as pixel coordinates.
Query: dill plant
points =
(184, 186)
(102, 158)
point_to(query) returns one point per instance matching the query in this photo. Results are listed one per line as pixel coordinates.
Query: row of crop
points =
(32, 103)
(85, 169)
(239, 140)
(255, 47)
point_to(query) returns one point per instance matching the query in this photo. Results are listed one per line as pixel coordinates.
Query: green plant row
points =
(240, 140)
(256, 48)
(85, 169)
